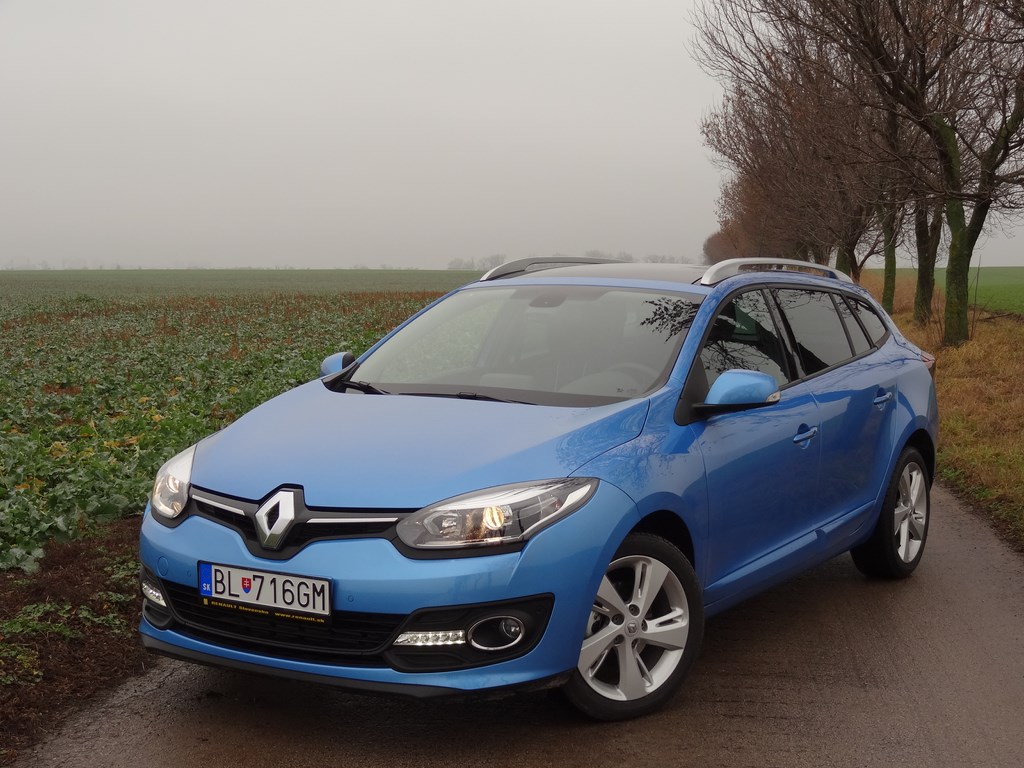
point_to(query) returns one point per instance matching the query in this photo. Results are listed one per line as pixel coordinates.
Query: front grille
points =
(351, 638)
(241, 523)
(310, 524)
(303, 533)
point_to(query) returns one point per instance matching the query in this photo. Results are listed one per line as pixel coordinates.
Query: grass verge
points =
(981, 409)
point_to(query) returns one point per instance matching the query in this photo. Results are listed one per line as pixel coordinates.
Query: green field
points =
(106, 374)
(997, 289)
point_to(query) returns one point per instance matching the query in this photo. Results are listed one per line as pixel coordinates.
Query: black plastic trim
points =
(341, 641)
(417, 691)
(413, 690)
(534, 611)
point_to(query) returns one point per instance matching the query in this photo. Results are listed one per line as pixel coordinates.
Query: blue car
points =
(549, 477)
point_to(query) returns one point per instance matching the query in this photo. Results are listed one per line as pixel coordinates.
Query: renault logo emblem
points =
(274, 517)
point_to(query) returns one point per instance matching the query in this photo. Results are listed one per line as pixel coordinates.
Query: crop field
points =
(105, 375)
(128, 283)
(996, 289)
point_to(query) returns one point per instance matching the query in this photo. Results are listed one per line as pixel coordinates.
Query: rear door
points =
(854, 386)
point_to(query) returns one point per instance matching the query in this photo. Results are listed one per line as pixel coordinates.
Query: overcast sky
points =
(332, 133)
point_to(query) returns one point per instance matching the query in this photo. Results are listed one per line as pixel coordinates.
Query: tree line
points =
(850, 127)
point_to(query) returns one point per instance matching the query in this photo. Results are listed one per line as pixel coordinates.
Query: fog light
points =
(496, 633)
(151, 592)
(449, 637)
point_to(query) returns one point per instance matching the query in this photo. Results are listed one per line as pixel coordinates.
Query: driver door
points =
(762, 464)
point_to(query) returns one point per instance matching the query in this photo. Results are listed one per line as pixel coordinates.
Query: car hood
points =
(400, 451)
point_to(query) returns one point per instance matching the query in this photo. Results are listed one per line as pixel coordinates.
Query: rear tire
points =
(644, 632)
(897, 544)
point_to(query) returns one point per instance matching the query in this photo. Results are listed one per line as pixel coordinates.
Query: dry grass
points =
(981, 405)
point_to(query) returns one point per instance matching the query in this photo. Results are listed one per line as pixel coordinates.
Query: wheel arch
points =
(669, 526)
(924, 444)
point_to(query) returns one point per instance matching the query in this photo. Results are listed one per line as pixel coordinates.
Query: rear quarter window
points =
(872, 322)
(858, 337)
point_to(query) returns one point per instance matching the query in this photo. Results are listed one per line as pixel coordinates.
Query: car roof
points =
(687, 274)
(695, 278)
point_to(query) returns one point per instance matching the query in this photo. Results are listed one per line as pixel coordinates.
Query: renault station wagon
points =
(549, 477)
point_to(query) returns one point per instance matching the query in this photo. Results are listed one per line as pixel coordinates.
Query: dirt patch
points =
(67, 632)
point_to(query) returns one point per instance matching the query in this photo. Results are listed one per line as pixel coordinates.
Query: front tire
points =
(644, 632)
(895, 548)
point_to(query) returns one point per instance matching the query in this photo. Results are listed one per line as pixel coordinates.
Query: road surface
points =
(827, 670)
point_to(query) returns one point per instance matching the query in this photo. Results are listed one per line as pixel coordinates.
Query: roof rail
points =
(535, 263)
(731, 267)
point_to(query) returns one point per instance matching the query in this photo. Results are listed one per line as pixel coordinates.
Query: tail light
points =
(929, 362)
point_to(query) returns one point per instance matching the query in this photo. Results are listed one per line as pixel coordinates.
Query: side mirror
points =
(336, 363)
(737, 390)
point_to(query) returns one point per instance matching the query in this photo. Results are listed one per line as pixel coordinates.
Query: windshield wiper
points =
(467, 396)
(363, 386)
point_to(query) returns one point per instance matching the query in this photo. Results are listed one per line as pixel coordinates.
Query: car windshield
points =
(548, 344)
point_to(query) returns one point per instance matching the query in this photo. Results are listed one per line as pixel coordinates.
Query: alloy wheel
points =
(638, 629)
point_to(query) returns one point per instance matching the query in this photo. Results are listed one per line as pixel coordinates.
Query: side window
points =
(872, 323)
(819, 334)
(744, 336)
(861, 343)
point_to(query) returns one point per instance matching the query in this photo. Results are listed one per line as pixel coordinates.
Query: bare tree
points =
(945, 76)
(955, 70)
(829, 159)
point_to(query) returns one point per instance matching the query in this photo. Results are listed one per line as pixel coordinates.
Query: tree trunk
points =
(844, 260)
(888, 217)
(928, 235)
(854, 268)
(846, 254)
(957, 268)
(962, 238)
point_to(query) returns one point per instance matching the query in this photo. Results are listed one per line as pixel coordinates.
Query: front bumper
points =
(565, 561)
(363, 686)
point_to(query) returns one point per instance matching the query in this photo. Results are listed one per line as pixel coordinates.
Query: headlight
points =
(170, 491)
(501, 515)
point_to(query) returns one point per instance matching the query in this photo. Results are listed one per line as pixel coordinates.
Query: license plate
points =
(268, 593)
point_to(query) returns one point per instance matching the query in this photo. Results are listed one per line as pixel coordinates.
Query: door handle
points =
(883, 399)
(803, 437)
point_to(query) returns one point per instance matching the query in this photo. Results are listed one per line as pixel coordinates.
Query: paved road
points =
(827, 670)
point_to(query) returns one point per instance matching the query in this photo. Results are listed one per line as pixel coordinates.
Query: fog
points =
(229, 133)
